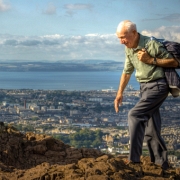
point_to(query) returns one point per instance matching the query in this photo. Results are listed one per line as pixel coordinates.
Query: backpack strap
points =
(155, 39)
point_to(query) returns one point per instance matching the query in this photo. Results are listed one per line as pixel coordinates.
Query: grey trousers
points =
(145, 122)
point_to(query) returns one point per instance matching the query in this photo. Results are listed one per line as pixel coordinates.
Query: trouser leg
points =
(152, 96)
(155, 143)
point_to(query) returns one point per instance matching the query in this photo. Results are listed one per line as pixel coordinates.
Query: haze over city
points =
(52, 30)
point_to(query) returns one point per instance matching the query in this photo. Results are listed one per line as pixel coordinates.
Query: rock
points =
(40, 157)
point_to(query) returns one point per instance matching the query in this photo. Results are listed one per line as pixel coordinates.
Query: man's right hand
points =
(119, 96)
(118, 102)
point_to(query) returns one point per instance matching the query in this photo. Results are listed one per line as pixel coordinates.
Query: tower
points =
(24, 104)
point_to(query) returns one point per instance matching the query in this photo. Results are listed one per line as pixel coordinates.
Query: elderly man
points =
(144, 118)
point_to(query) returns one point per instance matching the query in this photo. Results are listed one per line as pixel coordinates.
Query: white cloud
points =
(54, 36)
(4, 6)
(50, 10)
(73, 8)
(168, 33)
(78, 6)
(175, 17)
(61, 47)
(91, 35)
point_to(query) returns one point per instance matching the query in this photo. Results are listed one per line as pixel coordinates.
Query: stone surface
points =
(40, 157)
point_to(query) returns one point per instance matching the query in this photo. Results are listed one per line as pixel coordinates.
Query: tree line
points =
(83, 138)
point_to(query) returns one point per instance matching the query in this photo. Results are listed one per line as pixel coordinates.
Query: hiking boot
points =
(166, 165)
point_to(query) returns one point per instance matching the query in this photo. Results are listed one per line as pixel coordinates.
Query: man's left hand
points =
(144, 57)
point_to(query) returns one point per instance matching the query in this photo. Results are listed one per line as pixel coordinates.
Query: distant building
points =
(82, 125)
(51, 107)
(96, 99)
(44, 108)
(35, 108)
(109, 139)
(172, 158)
(4, 103)
(123, 124)
(74, 112)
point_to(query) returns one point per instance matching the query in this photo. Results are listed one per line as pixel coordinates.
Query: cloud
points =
(60, 47)
(172, 17)
(11, 42)
(30, 43)
(4, 6)
(175, 17)
(50, 10)
(78, 6)
(73, 8)
(168, 33)
(50, 42)
(54, 36)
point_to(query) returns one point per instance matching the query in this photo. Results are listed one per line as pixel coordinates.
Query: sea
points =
(70, 81)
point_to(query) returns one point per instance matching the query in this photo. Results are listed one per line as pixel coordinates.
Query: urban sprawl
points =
(61, 112)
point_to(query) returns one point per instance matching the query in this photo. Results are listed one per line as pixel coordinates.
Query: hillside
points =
(40, 157)
(70, 66)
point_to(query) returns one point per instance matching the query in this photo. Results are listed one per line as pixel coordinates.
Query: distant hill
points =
(79, 65)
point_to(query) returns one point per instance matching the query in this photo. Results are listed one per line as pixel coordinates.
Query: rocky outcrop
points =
(40, 157)
(28, 150)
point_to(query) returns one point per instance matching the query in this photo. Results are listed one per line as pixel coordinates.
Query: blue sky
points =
(53, 30)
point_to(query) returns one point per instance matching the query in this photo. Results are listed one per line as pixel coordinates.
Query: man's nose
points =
(121, 41)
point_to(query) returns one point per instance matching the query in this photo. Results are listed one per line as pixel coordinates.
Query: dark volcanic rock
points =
(41, 157)
(26, 151)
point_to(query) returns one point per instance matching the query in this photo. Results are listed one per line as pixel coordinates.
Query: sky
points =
(56, 30)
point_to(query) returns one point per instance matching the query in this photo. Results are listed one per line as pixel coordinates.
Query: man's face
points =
(127, 38)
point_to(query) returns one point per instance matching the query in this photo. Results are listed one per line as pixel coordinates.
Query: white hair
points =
(130, 26)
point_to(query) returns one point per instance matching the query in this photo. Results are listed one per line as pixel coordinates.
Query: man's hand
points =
(144, 57)
(119, 96)
(117, 102)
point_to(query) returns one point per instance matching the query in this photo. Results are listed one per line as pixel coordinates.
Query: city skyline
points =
(57, 30)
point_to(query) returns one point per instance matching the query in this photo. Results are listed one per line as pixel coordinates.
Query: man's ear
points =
(134, 32)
